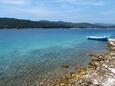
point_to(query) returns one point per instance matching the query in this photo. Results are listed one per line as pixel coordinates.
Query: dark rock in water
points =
(65, 66)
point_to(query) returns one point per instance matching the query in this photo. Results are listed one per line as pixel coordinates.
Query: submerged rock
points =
(65, 66)
(99, 72)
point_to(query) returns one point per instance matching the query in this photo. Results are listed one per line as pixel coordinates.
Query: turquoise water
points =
(34, 53)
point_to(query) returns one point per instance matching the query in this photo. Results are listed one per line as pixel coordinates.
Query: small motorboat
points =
(99, 38)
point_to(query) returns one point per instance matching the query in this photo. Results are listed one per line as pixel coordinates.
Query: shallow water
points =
(31, 55)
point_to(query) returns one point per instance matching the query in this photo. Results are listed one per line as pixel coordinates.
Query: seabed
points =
(99, 72)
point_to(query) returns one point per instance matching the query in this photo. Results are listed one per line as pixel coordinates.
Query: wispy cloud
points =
(83, 2)
(13, 1)
(67, 10)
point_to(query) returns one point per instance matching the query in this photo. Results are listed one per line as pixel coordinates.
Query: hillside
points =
(8, 23)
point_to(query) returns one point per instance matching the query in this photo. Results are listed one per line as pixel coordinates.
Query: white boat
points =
(100, 38)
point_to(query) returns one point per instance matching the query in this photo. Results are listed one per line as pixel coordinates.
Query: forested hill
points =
(8, 23)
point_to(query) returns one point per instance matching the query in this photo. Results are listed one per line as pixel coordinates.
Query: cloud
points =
(66, 10)
(13, 1)
(34, 11)
(83, 2)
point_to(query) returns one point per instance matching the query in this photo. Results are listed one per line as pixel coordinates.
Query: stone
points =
(65, 66)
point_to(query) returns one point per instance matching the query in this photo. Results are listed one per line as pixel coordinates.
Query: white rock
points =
(109, 82)
(112, 70)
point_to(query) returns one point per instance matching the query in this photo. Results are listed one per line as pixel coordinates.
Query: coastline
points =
(46, 63)
(14, 23)
(99, 72)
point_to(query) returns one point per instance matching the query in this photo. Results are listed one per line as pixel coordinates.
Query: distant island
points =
(10, 23)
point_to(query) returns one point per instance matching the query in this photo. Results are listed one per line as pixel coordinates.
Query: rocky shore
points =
(99, 72)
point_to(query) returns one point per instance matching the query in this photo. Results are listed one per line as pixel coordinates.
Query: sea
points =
(29, 56)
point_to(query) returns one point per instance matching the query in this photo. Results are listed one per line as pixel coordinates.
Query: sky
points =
(93, 11)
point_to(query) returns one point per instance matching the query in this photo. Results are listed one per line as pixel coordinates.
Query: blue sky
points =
(96, 11)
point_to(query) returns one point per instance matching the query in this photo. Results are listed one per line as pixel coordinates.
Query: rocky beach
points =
(57, 42)
(99, 72)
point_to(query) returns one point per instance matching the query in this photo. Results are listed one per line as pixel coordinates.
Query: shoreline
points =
(53, 28)
(99, 72)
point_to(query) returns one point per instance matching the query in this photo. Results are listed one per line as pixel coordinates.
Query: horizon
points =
(91, 11)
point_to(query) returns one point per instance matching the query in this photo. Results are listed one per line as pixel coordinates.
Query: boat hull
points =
(99, 39)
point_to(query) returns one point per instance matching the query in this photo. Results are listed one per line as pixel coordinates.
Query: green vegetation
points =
(7, 23)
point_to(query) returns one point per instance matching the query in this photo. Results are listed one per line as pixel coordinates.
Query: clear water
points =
(29, 55)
